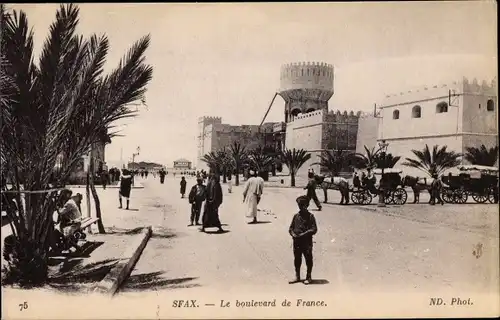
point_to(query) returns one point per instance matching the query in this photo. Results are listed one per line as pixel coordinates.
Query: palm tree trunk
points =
(237, 176)
(100, 225)
(292, 178)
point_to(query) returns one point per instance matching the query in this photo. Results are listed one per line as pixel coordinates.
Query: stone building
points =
(306, 89)
(215, 135)
(459, 115)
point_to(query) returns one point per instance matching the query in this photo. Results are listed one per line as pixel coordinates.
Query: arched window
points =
(395, 114)
(441, 107)
(490, 105)
(416, 112)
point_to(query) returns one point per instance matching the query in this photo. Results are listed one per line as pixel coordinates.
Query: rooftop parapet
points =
(440, 90)
(307, 75)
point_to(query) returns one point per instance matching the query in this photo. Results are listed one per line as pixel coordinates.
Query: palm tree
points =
(59, 107)
(334, 161)
(433, 163)
(226, 163)
(239, 156)
(374, 159)
(482, 156)
(260, 161)
(294, 159)
(213, 162)
(366, 160)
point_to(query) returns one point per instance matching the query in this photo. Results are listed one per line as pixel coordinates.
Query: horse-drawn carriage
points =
(479, 182)
(391, 181)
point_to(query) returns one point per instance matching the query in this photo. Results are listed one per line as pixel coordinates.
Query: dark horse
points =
(417, 184)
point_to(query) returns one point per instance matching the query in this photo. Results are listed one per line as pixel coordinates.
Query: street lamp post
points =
(381, 198)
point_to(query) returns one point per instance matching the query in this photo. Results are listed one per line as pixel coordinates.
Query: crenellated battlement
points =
(330, 116)
(463, 86)
(307, 75)
(210, 119)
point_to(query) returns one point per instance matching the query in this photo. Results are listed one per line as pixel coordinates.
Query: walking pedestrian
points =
(104, 178)
(162, 174)
(196, 197)
(125, 187)
(251, 195)
(183, 186)
(311, 189)
(212, 204)
(302, 229)
(229, 184)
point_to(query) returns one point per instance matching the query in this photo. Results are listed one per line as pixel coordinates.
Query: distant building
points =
(182, 164)
(214, 136)
(410, 120)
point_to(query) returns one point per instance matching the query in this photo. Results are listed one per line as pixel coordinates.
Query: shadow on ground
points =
(154, 281)
(158, 232)
(73, 276)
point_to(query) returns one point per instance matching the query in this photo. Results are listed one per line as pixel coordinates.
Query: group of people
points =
(211, 194)
(302, 227)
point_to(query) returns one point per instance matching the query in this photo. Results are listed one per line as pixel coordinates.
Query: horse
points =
(336, 183)
(417, 184)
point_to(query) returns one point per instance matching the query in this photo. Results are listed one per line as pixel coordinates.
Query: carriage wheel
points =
(400, 196)
(481, 197)
(460, 196)
(367, 197)
(447, 195)
(492, 196)
(357, 197)
(388, 198)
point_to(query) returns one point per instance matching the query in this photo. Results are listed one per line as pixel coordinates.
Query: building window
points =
(490, 105)
(442, 107)
(416, 112)
(395, 114)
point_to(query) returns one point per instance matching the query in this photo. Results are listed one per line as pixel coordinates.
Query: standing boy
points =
(196, 197)
(302, 229)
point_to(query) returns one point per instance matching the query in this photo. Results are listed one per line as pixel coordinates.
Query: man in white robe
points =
(251, 195)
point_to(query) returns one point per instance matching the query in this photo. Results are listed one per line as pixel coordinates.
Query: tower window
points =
(490, 105)
(395, 114)
(441, 107)
(416, 112)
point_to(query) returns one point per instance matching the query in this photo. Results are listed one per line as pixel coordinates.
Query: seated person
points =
(70, 216)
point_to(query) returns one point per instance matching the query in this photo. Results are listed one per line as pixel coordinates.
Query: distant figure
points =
(251, 196)
(355, 181)
(436, 187)
(104, 178)
(196, 197)
(214, 200)
(146, 173)
(311, 189)
(229, 184)
(162, 174)
(183, 187)
(125, 187)
(302, 229)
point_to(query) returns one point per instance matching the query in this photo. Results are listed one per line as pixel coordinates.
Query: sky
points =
(224, 59)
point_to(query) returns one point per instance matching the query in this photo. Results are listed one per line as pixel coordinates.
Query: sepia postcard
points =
(249, 160)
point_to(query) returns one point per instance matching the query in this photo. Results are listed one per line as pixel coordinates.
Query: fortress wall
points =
(403, 149)
(367, 133)
(476, 117)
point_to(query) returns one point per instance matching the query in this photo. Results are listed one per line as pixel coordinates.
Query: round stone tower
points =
(305, 87)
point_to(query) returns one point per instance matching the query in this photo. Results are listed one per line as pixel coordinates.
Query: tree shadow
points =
(74, 276)
(131, 209)
(158, 232)
(154, 281)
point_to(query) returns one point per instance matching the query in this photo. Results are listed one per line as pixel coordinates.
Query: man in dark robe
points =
(162, 176)
(212, 203)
